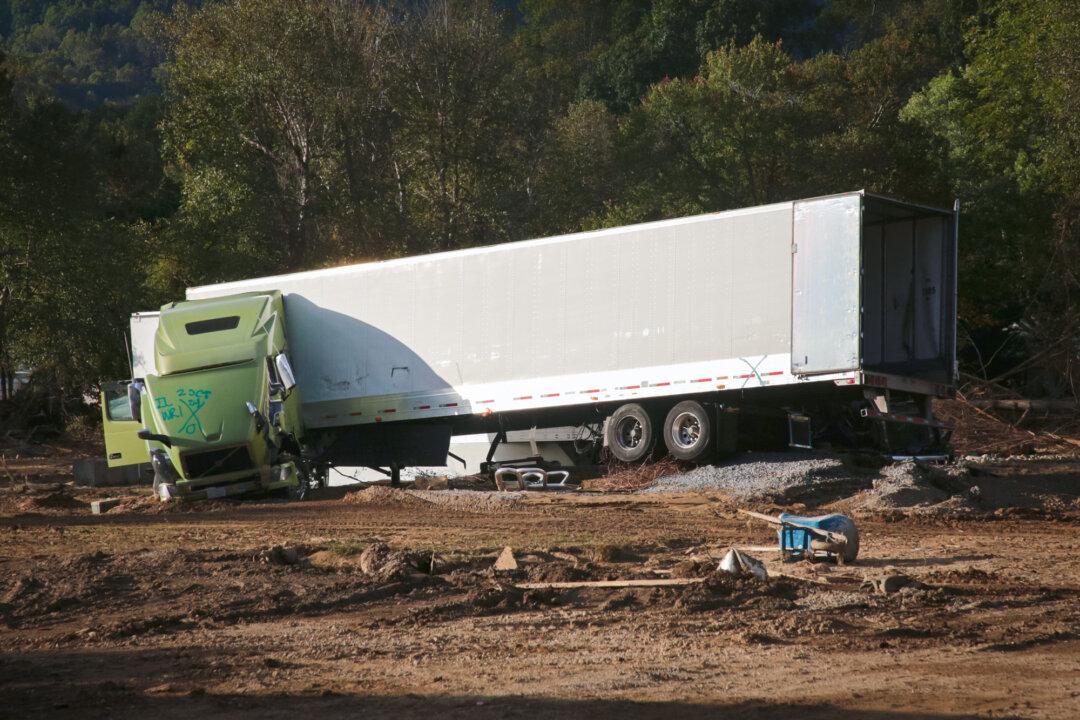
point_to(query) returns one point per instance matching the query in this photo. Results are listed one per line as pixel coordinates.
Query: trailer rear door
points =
(908, 289)
(825, 285)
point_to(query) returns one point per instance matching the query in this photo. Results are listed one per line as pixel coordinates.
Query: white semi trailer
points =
(830, 317)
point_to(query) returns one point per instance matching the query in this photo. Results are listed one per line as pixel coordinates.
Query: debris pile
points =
(628, 478)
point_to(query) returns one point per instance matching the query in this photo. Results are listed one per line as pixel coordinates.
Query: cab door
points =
(122, 445)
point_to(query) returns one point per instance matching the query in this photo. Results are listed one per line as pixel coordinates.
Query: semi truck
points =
(824, 320)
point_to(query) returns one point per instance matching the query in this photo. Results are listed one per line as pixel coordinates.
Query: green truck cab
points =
(221, 415)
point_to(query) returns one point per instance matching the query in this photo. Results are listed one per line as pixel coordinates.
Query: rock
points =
(283, 555)
(888, 584)
(103, 506)
(374, 558)
(506, 560)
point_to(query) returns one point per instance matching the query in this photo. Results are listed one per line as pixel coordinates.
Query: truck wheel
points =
(688, 432)
(630, 434)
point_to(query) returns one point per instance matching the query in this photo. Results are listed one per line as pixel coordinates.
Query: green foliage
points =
(1007, 126)
(83, 52)
(71, 184)
(149, 146)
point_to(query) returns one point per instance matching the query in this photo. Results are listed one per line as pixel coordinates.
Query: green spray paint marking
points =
(191, 399)
(194, 400)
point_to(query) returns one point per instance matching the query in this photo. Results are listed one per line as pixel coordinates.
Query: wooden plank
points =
(658, 582)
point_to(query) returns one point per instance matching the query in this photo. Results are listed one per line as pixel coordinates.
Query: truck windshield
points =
(198, 327)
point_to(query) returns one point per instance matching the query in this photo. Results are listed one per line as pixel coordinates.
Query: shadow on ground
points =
(129, 684)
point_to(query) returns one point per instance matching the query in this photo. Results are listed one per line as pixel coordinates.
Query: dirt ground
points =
(385, 604)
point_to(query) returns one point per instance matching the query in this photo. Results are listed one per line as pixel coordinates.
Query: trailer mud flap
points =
(389, 444)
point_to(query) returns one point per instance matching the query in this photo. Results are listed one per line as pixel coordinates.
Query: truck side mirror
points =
(135, 402)
(284, 371)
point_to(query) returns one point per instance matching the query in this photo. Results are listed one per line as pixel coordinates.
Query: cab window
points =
(117, 406)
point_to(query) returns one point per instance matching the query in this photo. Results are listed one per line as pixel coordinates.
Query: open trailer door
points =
(825, 285)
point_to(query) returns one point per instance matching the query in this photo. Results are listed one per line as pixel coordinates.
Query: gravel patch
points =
(760, 475)
(477, 501)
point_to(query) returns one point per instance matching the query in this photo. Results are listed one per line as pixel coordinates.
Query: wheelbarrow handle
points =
(828, 534)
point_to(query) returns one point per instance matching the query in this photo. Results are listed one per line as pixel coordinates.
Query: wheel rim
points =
(686, 430)
(629, 433)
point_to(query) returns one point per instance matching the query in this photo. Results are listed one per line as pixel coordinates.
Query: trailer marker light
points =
(721, 387)
(595, 397)
(699, 380)
(448, 405)
(488, 412)
(848, 381)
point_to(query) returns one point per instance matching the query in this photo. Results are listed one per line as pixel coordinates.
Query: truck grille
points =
(216, 462)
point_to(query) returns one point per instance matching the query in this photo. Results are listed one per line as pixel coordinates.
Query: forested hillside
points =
(148, 146)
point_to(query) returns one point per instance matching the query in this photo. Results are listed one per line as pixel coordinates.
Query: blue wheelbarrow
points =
(831, 537)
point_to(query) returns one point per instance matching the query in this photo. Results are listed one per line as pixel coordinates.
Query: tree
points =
(1006, 122)
(455, 154)
(578, 174)
(284, 99)
(733, 136)
(66, 280)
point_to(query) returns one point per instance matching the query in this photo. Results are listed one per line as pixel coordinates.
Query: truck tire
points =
(630, 434)
(689, 433)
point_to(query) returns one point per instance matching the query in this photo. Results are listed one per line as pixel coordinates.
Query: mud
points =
(391, 608)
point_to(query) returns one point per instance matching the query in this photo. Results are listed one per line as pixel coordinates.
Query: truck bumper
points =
(271, 478)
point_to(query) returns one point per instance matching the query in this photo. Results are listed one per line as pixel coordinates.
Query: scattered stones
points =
(475, 501)
(759, 475)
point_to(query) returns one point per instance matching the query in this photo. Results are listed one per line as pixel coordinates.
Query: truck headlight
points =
(163, 466)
